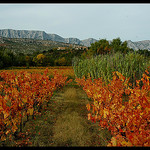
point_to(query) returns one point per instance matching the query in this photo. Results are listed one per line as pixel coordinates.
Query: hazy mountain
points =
(139, 44)
(73, 41)
(88, 42)
(54, 37)
(33, 34)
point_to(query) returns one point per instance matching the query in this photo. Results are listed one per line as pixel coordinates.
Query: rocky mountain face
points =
(139, 45)
(9, 33)
(88, 42)
(33, 34)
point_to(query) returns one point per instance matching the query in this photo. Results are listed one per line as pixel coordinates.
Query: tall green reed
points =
(130, 65)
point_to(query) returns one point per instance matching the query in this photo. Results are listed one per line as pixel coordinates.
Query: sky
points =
(128, 21)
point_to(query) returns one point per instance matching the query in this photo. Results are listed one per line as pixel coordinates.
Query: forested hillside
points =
(31, 52)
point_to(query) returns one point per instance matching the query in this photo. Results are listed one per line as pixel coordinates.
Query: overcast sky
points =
(97, 20)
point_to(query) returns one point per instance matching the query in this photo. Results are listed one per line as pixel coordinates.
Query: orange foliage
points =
(65, 70)
(123, 110)
(22, 94)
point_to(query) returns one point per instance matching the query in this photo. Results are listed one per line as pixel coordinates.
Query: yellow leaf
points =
(106, 112)
(141, 113)
(6, 114)
(139, 107)
(88, 107)
(89, 116)
(114, 141)
(14, 128)
(109, 144)
(3, 138)
(147, 110)
(8, 131)
(30, 111)
(24, 100)
(120, 76)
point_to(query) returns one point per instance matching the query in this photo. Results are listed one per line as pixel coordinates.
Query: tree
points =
(6, 57)
(39, 59)
(100, 47)
(27, 58)
(61, 61)
(118, 45)
(20, 60)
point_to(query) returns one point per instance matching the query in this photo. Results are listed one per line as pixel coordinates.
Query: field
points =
(55, 107)
(66, 70)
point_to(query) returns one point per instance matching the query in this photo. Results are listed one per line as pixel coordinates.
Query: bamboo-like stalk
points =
(103, 65)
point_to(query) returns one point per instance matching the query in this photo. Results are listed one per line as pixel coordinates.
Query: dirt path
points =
(65, 122)
(70, 128)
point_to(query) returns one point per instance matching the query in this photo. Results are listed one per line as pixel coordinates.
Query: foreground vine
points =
(123, 110)
(23, 95)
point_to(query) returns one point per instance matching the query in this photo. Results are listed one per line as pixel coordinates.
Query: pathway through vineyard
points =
(65, 122)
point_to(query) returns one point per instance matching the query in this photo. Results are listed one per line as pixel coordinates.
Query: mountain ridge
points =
(42, 35)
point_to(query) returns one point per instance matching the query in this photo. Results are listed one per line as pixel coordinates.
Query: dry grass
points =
(70, 130)
(70, 94)
(72, 127)
(65, 123)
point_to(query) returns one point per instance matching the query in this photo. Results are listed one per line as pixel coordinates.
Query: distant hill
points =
(29, 46)
(42, 35)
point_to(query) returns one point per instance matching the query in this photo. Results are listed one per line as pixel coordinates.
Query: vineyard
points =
(65, 70)
(115, 112)
(22, 96)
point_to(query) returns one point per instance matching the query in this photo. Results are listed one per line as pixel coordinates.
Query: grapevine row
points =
(22, 95)
(122, 109)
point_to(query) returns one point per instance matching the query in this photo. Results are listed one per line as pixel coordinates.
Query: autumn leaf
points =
(88, 107)
(127, 91)
(30, 111)
(123, 118)
(5, 114)
(89, 116)
(114, 141)
(106, 112)
(3, 138)
(14, 128)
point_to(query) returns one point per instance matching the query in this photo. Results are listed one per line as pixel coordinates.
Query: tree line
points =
(52, 57)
